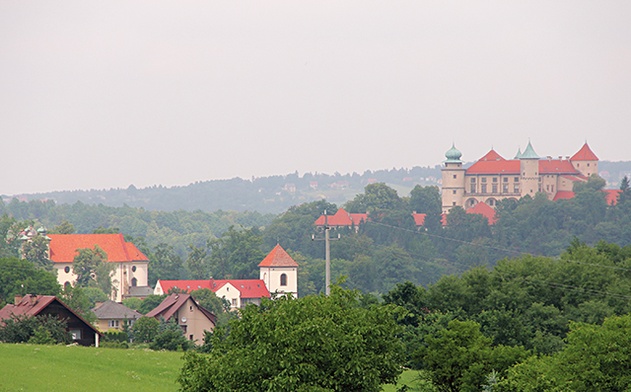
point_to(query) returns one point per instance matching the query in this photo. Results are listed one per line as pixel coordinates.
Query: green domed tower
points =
(453, 185)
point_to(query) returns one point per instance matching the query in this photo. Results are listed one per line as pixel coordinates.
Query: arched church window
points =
(283, 280)
(134, 282)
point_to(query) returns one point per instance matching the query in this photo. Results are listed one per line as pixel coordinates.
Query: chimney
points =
(18, 299)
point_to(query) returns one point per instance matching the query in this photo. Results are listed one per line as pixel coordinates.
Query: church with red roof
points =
(493, 178)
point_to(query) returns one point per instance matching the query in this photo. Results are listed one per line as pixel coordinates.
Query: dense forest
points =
(380, 253)
(273, 194)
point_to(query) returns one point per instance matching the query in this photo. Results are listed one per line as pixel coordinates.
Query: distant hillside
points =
(273, 194)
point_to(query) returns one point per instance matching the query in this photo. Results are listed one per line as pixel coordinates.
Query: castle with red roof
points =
(493, 178)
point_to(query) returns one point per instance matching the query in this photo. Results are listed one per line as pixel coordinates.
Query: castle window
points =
(505, 188)
(515, 179)
(283, 280)
(453, 203)
(494, 179)
(516, 188)
(505, 179)
(483, 188)
(494, 188)
(588, 165)
(472, 188)
(473, 180)
(454, 191)
(483, 179)
(455, 176)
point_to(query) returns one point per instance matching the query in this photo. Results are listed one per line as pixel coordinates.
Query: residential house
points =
(193, 318)
(238, 292)
(82, 332)
(112, 315)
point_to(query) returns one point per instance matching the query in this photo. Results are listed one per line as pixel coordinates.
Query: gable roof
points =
(584, 154)
(342, 218)
(563, 195)
(611, 196)
(173, 303)
(63, 247)
(278, 257)
(419, 219)
(249, 288)
(110, 310)
(492, 155)
(556, 166)
(485, 210)
(32, 305)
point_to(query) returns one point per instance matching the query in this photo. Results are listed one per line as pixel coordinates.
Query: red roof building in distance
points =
(238, 292)
(279, 271)
(493, 177)
(485, 210)
(82, 331)
(341, 219)
(131, 265)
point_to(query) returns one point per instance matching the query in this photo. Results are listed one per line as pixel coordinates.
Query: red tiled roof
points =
(485, 210)
(342, 218)
(584, 154)
(63, 247)
(278, 257)
(492, 155)
(249, 288)
(419, 219)
(563, 195)
(611, 196)
(556, 166)
(502, 166)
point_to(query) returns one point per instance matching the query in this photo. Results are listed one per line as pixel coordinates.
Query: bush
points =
(40, 330)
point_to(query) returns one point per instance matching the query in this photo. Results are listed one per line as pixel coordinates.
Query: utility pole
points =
(327, 253)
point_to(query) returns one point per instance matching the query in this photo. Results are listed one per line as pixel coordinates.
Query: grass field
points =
(25, 367)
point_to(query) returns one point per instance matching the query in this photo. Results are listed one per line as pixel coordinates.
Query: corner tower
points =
(453, 175)
(529, 167)
(585, 161)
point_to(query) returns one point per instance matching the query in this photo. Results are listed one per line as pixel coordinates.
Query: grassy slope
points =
(26, 367)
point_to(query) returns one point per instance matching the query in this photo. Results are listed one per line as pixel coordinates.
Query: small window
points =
(190, 337)
(190, 308)
(483, 179)
(76, 334)
(494, 179)
(134, 282)
(113, 324)
(473, 180)
(67, 269)
(453, 203)
(505, 179)
(283, 278)
(234, 302)
(455, 176)
(133, 269)
(454, 191)
(516, 179)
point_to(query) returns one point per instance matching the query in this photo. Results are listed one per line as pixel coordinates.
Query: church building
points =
(493, 178)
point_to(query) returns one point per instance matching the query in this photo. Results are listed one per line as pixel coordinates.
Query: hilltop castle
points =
(493, 178)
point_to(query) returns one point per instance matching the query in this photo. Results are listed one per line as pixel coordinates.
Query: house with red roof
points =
(193, 318)
(492, 177)
(130, 271)
(82, 332)
(278, 275)
(341, 219)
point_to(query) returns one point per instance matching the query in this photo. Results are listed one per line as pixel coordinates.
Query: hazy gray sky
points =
(100, 94)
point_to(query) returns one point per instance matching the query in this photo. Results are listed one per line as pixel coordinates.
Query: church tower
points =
(453, 180)
(279, 272)
(529, 181)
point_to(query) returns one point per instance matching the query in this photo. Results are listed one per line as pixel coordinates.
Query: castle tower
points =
(453, 180)
(279, 272)
(585, 161)
(529, 167)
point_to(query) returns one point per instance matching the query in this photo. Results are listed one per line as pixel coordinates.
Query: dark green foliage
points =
(312, 343)
(37, 330)
(80, 300)
(150, 303)
(145, 330)
(19, 277)
(170, 336)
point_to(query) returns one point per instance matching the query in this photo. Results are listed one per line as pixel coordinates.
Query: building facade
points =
(493, 178)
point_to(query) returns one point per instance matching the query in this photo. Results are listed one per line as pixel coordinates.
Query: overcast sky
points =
(102, 94)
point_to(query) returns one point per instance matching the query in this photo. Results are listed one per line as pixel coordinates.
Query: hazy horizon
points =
(103, 95)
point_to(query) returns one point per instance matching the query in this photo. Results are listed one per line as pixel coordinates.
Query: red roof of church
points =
(342, 218)
(485, 210)
(278, 257)
(584, 154)
(63, 247)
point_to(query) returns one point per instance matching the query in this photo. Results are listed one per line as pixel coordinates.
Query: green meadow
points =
(26, 367)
